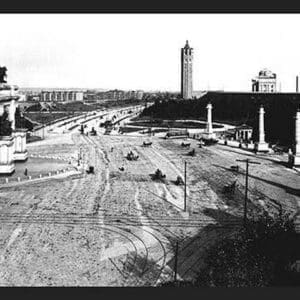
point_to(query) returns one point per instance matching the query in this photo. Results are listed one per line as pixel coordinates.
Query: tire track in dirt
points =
(145, 234)
(172, 193)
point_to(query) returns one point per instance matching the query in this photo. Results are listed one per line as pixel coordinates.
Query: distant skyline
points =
(142, 51)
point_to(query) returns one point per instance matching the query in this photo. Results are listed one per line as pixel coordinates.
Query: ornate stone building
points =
(187, 72)
(13, 143)
(265, 82)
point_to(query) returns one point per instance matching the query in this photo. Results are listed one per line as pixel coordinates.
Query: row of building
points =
(69, 95)
(114, 95)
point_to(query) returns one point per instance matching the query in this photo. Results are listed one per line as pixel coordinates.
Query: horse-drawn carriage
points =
(192, 152)
(90, 170)
(179, 181)
(234, 168)
(185, 145)
(209, 142)
(93, 131)
(132, 156)
(147, 144)
(158, 175)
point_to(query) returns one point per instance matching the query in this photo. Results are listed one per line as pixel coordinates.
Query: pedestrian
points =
(25, 172)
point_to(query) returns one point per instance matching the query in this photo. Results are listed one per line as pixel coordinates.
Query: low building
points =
(61, 95)
(243, 133)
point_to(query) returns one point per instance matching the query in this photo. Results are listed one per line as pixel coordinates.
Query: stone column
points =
(294, 158)
(20, 149)
(12, 111)
(261, 139)
(209, 119)
(209, 128)
(261, 146)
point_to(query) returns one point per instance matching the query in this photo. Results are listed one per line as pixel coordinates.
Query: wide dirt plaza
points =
(118, 227)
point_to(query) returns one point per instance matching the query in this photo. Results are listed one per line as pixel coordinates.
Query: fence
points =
(37, 176)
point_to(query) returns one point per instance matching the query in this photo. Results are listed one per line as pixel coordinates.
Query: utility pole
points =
(175, 262)
(247, 161)
(185, 185)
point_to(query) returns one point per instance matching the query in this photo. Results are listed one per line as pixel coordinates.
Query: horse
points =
(185, 145)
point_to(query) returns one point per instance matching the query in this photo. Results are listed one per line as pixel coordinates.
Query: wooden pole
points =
(246, 193)
(247, 161)
(175, 262)
(185, 186)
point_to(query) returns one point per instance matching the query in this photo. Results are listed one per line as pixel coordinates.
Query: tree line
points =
(237, 109)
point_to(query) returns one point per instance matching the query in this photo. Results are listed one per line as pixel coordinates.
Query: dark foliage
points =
(260, 256)
(35, 107)
(237, 108)
(21, 122)
(5, 125)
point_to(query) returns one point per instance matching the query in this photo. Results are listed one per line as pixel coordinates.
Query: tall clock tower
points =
(186, 71)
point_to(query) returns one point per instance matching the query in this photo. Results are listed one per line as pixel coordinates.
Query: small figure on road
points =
(25, 172)
(112, 149)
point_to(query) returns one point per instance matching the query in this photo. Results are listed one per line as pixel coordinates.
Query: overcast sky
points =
(142, 51)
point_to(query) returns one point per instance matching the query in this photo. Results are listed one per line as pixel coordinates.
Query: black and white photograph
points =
(149, 150)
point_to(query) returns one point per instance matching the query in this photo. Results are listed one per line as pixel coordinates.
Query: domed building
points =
(265, 82)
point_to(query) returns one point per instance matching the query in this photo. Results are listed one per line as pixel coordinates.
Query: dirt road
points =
(118, 227)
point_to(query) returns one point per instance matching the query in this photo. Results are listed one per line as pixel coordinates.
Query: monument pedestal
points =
(7, 165)
(261, 147)
(20, 153)
(21, 156)
(209, 136)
